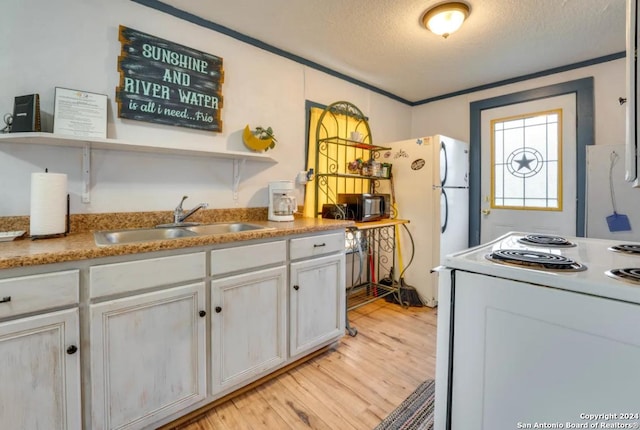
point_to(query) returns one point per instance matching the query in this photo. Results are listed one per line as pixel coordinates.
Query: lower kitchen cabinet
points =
(147, 356)
(40, 372)
(248, 336)
(152, 354)
(316, 302)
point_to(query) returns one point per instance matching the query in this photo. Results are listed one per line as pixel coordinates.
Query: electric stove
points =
(580, 264)
(527, 328)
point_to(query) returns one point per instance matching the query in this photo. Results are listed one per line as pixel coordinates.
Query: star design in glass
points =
(524, 162)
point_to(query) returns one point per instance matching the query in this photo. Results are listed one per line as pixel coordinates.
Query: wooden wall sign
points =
(167, 83)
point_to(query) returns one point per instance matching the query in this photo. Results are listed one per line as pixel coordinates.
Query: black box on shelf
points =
(26, 113)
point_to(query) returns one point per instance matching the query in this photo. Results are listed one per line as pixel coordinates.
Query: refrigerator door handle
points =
(443, 149)
(443, 227)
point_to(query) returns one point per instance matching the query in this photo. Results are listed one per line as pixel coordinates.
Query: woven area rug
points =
(415, 412)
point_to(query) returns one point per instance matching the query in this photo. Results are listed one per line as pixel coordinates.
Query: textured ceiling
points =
(383, 44)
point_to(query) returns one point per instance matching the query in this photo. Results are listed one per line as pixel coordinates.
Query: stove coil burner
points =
(546, 240)
(535, 260)
(627, 274)
(627, 248)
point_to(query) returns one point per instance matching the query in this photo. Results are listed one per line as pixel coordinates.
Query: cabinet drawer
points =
(316, 245)
(246, 257)
(137, 275)
(38, 292)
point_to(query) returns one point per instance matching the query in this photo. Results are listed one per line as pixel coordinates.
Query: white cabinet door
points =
(40, 372)
(248, 336)
(147, 356)
(317, 302)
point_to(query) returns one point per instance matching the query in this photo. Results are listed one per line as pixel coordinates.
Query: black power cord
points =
(8, 121)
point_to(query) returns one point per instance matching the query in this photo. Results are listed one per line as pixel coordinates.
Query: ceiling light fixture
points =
(445, 18)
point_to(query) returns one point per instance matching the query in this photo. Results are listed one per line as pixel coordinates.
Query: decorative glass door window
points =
(526, 155)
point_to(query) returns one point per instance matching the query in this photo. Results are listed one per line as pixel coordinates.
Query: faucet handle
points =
(178, 211)
(179, 207)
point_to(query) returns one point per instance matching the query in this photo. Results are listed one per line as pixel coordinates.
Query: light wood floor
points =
(353, 386)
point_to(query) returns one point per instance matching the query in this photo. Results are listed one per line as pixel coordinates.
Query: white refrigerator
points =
(431, 189)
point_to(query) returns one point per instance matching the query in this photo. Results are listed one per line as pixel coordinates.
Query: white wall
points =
(74, 44)
(451, 116)
(600, 160)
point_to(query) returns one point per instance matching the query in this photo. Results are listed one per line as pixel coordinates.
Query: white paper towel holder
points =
(52, 236)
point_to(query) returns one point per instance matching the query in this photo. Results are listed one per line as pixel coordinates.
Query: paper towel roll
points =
(48, 203)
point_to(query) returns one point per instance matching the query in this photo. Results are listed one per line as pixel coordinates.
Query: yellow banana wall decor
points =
(260, 139)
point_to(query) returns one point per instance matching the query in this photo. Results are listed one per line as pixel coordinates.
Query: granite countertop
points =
(81, 245)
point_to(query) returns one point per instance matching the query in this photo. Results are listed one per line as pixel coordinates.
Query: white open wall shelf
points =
(86, 144)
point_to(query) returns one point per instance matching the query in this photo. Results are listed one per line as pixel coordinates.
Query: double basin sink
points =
(117, 237)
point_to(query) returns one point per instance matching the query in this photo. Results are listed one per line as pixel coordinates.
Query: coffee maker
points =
(282, 202)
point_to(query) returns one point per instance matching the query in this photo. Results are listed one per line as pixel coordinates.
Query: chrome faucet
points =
(179, 215)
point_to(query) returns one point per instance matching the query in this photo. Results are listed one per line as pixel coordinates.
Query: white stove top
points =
(592, 253)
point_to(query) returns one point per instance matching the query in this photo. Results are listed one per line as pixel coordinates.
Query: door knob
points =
(485, 211)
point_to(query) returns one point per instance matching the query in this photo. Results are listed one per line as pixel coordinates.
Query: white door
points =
(316, 303)
(454, 162)
(454, 221)
(248, 335)
(528, 164)
(40, 372)
(147, 357)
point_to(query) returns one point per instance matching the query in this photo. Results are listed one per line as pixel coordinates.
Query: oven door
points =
(443, 348)
(525, 354)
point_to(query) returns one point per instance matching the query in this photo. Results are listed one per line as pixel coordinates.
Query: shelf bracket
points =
(86, 173)
(237, 174)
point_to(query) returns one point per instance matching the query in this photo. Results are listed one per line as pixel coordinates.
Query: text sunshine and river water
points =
(168, 83)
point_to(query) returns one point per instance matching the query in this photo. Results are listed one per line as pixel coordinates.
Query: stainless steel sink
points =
(225, 227)
(115, 237)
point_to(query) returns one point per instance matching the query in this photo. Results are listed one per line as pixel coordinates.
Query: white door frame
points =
(583, 89)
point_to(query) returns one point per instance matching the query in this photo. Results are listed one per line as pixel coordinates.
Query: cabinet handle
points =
(5, 299)
(72, 349)
(202, 313)
(296, 287)
(319, 245)
(218, 309)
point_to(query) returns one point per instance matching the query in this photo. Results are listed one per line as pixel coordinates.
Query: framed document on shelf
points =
(80, 113)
